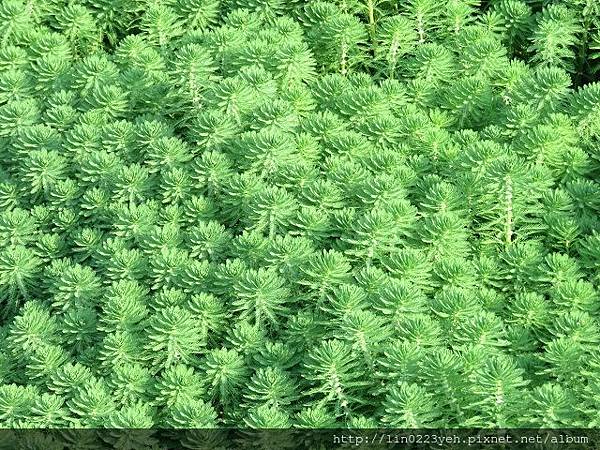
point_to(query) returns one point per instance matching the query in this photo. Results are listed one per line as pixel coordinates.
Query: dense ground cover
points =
(273, 213)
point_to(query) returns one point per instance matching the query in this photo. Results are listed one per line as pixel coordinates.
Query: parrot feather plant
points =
(307, 213)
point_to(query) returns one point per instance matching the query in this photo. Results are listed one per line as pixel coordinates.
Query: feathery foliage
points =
(273, 214)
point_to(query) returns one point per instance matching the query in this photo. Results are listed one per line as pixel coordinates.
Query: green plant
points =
(273, 214)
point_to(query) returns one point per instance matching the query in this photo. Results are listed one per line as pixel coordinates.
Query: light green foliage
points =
(315, 214)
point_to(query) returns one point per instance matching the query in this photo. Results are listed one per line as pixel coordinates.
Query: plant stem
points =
(343, 66)
(508, 230)
(371, 14)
